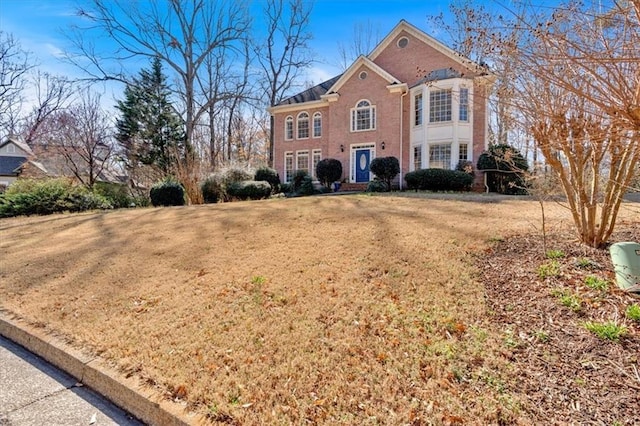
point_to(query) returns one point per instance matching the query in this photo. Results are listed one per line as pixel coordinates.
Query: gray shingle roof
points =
(312, 94)
(9, 166)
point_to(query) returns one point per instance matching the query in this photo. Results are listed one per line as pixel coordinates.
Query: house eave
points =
(296, 107)
(398, 88)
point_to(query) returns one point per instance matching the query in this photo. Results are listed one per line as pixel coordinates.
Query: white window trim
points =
(297, 132)
(313, 166)
(452, 157)
(352, 158)
(372, 115)
(413, 109)
(289, 154)
(313, 125)
(453, 84)
(293, 128)
(299, 154)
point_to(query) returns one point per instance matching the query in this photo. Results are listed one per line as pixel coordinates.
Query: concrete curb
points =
(95, 374)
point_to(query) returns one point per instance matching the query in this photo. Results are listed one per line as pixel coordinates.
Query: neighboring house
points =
(411, 98)
(15, 156)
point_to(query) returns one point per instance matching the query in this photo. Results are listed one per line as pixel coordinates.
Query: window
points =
(363, 117)
(464, 104)
(440, 156)
(11, 149)
(303, 125)
(417, 110)
(288, 166)
(464, 152)
(288, 128)
(302, 161)
(363, 75)
(403, 42)
(440, 105)
(317, 125)
(317, 156)
(417, 157)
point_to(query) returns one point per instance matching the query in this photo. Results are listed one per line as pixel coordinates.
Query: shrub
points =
(328, 171)
(47, 196)
(465, 166)
(298, 178)
(286, 188)
(212, 189)
(167, 193)
(249, 190)
(306, 187)
(438, 180)
(115, 193)
(505, 168)
(377, 186)
(270, 175)
(235, 174)
(385, 169)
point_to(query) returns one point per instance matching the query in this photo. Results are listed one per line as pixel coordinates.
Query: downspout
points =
(401, 135)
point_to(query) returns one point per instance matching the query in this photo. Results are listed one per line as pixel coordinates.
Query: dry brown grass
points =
(328, 310)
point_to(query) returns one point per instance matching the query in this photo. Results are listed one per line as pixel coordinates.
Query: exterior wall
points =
(374, 89)
(12, 150)
(411, 63)
(394, 112)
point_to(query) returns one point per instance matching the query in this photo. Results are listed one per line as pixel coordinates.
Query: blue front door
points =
(363, 157)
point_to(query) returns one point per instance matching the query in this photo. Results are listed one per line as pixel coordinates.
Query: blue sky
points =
(38, 23)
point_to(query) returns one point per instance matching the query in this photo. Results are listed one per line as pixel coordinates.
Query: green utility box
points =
(626, 263)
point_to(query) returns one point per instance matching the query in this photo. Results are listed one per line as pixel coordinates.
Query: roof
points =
(17, 141)
(10, 166)
(439, 74)
(312, 94)
(363, 60)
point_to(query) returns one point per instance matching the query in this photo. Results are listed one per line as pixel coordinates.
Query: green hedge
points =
(270, 175)
(167, 193)
(438, 180)
(249, 190)
(47, 196)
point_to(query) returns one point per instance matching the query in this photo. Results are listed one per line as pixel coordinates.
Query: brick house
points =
(412, 98)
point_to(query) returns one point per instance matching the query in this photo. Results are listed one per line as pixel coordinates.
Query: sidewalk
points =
(33, 392)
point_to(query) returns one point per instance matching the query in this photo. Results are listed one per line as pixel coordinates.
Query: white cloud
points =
(317, 75)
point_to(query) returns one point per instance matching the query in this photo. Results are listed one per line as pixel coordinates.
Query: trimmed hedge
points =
(212, 190)
(249, 190)
(270, 175)
(386, 169)
(377, 186)
(47, 196)
(328, 171)
(167, 193)
(438, 180)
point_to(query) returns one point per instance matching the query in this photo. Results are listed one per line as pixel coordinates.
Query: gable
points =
(13, 146)
(410, 54)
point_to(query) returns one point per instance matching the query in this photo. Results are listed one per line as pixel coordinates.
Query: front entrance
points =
(362, 161)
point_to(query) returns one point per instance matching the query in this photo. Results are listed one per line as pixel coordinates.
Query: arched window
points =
(317, 125)
(303, 125)
(363, 116)
(288, 128)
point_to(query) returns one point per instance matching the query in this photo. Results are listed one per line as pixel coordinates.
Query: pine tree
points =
(149, 131)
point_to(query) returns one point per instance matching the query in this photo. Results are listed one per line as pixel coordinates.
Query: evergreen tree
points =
(148, 130)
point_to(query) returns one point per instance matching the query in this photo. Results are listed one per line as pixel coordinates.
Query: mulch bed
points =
(564, 374)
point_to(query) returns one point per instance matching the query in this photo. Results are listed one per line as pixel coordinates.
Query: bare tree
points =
(80, 138)
(364, 40)
(578, 91)
(52, 94)
(183, 35)
(284, 53)
(15, 64)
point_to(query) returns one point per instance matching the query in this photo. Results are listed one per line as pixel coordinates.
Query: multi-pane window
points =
(440, 156)
(417, 157)
(363, 117)
(317, 156)
(439, 105)
(417, 110)
(303, 125)
(464, 104)
(288, 166)
(464, 152)
(317, 125)
(302, 161)
(288, 128)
